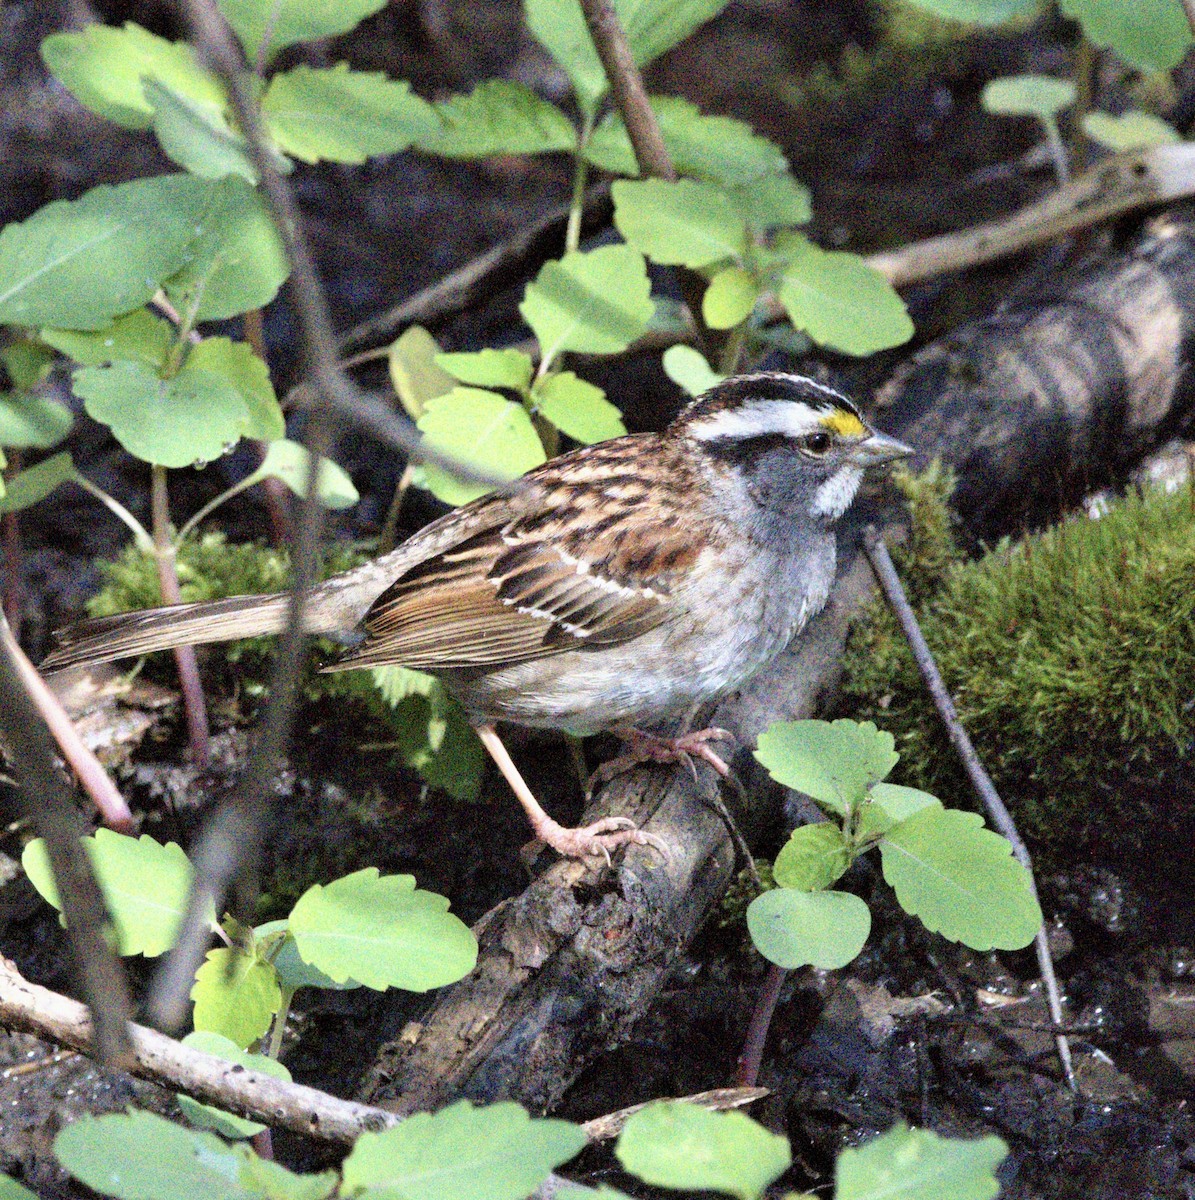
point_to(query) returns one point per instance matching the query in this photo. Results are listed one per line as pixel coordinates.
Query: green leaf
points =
(652, 27)
(1151, 35)
(462, 1153)
(79, 263)
(978, 12)
(840, 301)
(799, 929)
(293, 972)
(773, 200)
(730, 298)
(961, 880)
(1038, 96)
(834, 762)
(11, 1190)
(813, 858)
(577, 408)
(498, 117)
(889, 804)
(197, 135)
(413, 370)
(687, 368)
(678, 222)
(717, 149)
(105, 68)
(140, 336)
(236, 995)
(677, 1145)
(917, 1164)
(343, 115)
(286, 22)
(236, 364)
(36, 483)
(28, 421)
(190, 419)
(489, 368)
(382, 932)
(237, 261)
(1129, 131)
(146, 887)
(27, 362)
(592, 302)
(287, 461)
(205, 1116)
(483, 430)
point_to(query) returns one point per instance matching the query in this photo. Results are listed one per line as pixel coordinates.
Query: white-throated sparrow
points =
(623, 585)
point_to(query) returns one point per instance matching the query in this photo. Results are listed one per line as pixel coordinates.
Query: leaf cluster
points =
(1070, 657)
(945, 868)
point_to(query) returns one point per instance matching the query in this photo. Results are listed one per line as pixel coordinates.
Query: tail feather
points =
(124, 635)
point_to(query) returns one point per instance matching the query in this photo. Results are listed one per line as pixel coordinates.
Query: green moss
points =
(1071, 657)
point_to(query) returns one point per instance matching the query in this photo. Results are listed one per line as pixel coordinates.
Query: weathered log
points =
(1031, 407)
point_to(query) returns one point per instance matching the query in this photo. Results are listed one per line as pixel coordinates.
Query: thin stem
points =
(751, 1056)
(276, 494)
(981, 781)
(732, 349)
(14, 600)
(279, 1027)
(211, 506)
(141, 536)
(389, 534)
(576, 208)
(184, 656)
(1086, 77)
(1057, 148)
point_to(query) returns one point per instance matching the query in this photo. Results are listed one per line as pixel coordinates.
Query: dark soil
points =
(915, 1029)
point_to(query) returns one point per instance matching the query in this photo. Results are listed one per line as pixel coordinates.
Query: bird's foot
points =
(650, 747)
(598, 839)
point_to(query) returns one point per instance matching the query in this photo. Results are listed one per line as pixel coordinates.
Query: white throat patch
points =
(834, 496)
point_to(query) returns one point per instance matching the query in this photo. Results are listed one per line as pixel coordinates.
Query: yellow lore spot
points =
(844, 423)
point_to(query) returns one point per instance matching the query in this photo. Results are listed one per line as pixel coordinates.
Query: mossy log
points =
(1031, 408)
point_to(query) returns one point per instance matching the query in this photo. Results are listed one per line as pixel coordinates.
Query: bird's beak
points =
(879, 449)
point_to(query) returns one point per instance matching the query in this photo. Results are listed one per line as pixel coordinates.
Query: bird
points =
(617, 588)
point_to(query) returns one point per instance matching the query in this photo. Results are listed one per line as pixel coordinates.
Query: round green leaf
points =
(729, 299)
(382, 932)
(481, 429)
(11, 1190)
(577, 408)
(499, 116)
(105, 70)
(79, 263)
(185, 421)
(236, 262)
(286, 22)
(236, 364)
(236, 994)
(293, 972)
(808, 929)
(489, 368)
(834, 762)
(36, 483)
(1151, 35)
(687, 368)
(413, 370)
(139, 336)
(593, 302)
(961, 880)
(29, 421)
(462, 1153)
(917, 1164)
(205, 1116)
(1028, 96)
(287, 461)
(840, 301)
(679, 222)
(146, 886)
(677, 1145)
(343, 115)
(1129, 131)
(813, 858)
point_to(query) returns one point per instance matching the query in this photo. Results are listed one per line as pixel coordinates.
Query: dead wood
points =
(1031, 406)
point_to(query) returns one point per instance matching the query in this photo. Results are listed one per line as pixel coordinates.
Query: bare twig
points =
(601, 1129)
(881, 563)
(95, 781)
(47, 804)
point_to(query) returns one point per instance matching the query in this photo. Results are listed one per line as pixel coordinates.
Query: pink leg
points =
(599, 838)
(649, 747)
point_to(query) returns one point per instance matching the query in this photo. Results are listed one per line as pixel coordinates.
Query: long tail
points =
(126, 634)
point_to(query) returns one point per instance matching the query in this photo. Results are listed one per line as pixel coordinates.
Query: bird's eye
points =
(817, 443)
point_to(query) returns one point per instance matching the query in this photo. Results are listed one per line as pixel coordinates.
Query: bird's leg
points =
(650, 747)
(599, 838)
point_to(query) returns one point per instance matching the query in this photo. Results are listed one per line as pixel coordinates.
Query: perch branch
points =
(981, 781)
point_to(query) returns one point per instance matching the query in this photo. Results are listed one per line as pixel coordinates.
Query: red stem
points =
(751, 1055)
